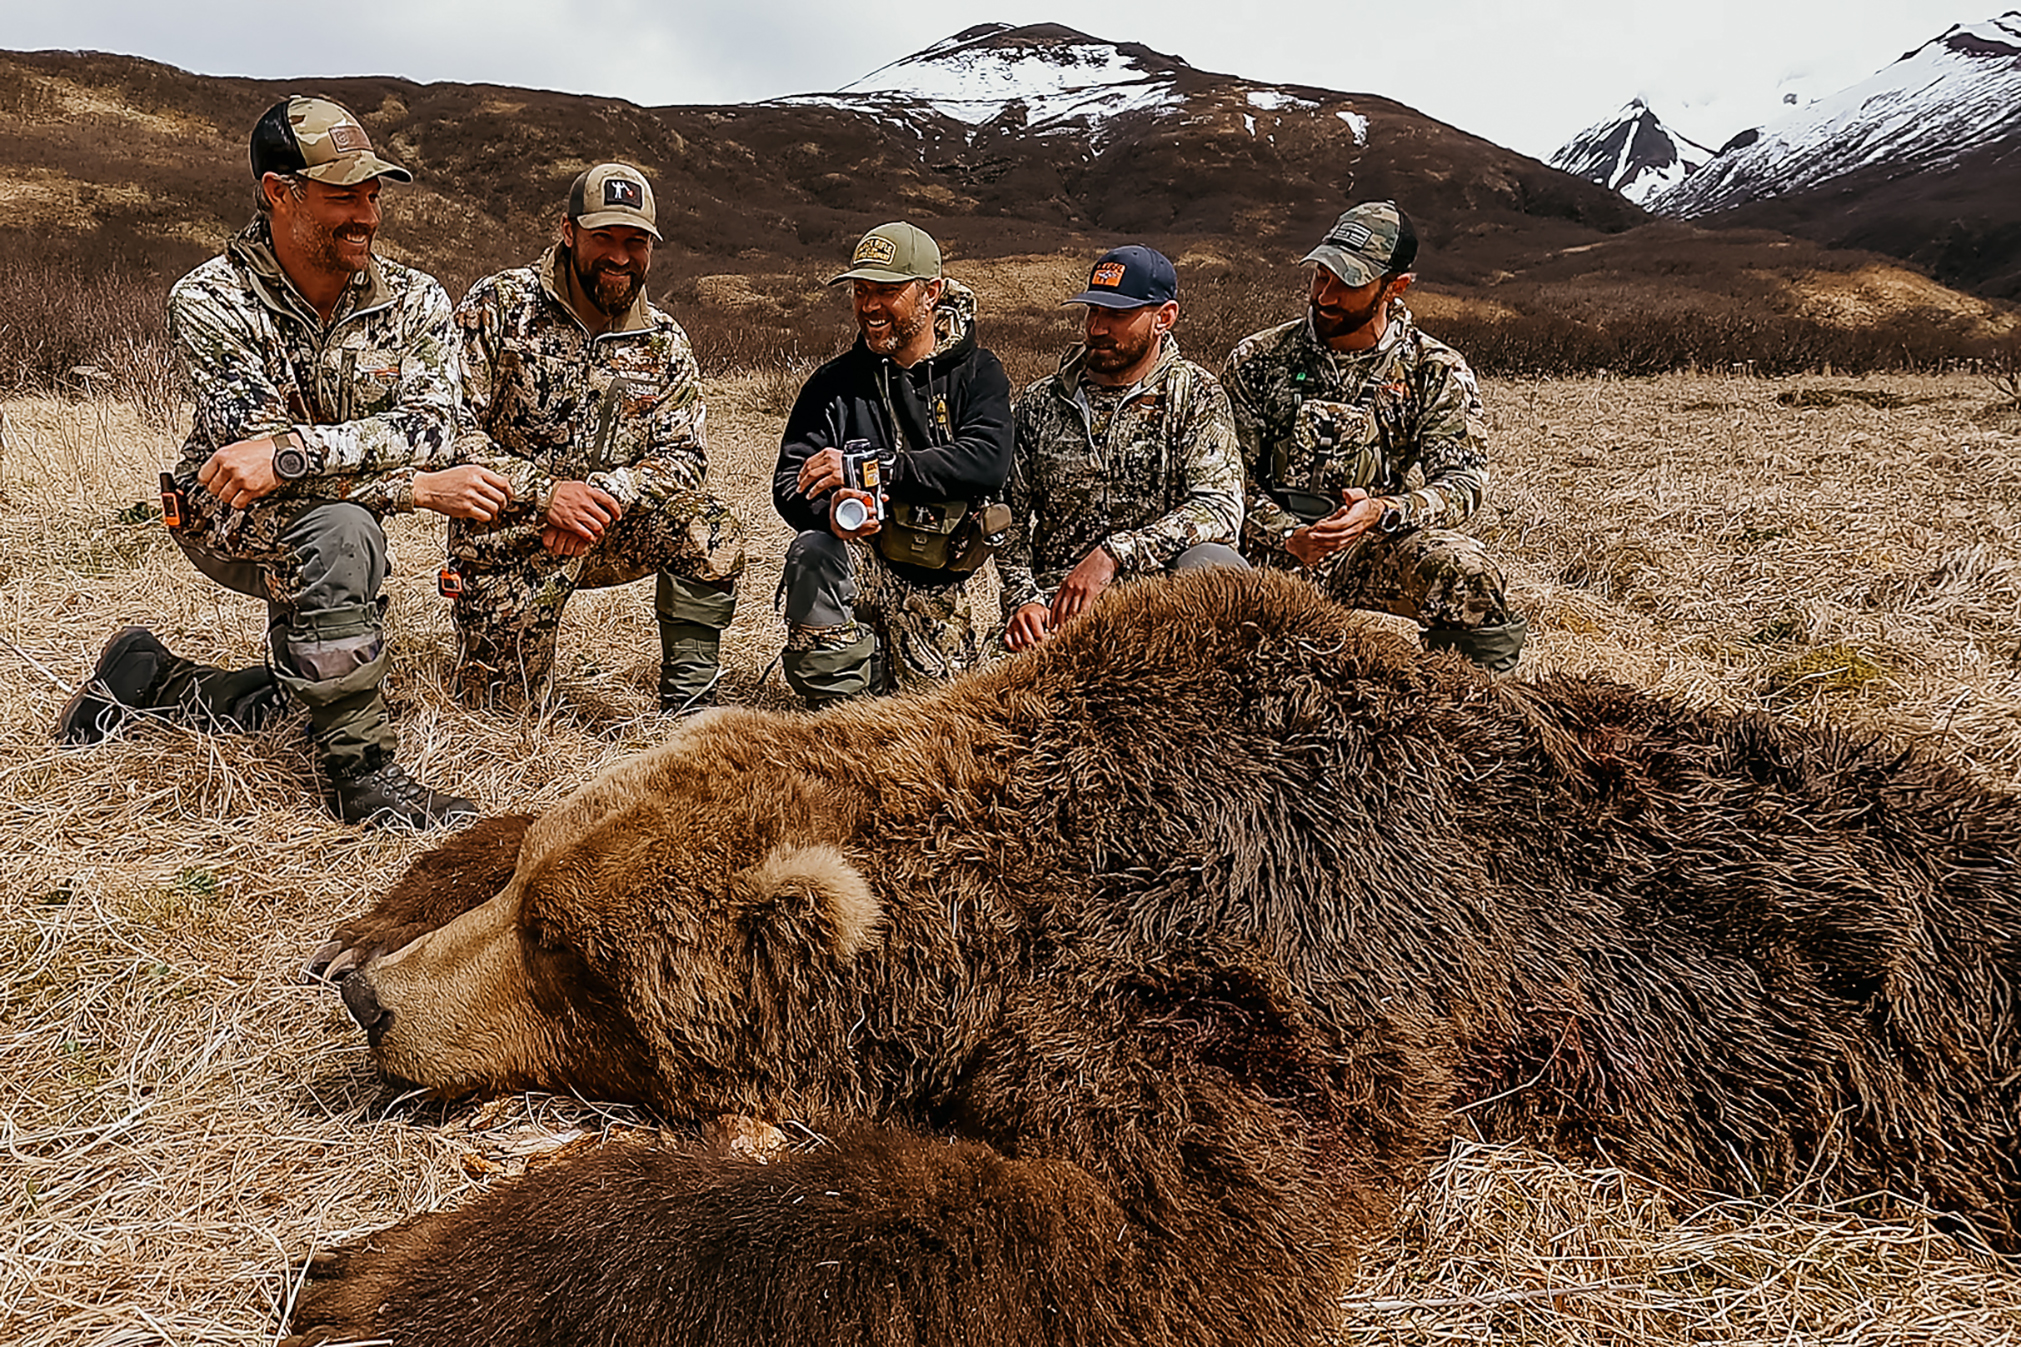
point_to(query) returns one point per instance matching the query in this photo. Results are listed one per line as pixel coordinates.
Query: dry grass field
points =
(182, 1121)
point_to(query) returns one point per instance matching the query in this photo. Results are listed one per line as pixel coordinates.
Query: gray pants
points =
(325, 634)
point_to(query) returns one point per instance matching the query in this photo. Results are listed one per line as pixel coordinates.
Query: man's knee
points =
(819, 589)
(1203, 556)
(338, 556)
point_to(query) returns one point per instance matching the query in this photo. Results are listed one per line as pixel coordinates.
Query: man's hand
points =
(1029, 626)
(583, 510)
(822, 472)
(870, 520)
(1083, 585)
(465, 492)
(1339, 530)
(561, 542)
(241, 472)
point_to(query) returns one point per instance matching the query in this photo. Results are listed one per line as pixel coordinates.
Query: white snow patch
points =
(1356, 124)
(1249, 123)
(1274, 100)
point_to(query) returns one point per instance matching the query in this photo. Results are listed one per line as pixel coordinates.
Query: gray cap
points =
(891, 253)
(1367, 242)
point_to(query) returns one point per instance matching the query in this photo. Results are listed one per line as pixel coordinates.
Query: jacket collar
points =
(1074, 366)
(559, 282)
(252, 251)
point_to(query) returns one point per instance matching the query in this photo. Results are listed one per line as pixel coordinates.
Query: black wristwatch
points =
(291, 459)
(1390, 520)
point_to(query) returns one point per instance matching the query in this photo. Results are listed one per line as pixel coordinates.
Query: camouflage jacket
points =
(1402, 419)
(1166, 475)
(373, 395)
(546, 402)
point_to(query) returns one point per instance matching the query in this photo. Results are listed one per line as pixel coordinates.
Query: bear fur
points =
(1131, 979)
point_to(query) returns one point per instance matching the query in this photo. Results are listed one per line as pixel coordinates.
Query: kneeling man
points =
(1126, 461)
(1368, 449)
(587, 399)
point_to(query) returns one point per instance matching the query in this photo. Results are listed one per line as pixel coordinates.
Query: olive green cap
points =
(613, 194)
(317, 139)
(891, 253)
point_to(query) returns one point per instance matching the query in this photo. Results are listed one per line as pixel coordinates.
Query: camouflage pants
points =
(1442, 578)
(508, 616)
(838, 594)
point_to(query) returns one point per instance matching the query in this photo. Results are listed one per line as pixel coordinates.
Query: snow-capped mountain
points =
(1046, 79)
(1949, 97)
(1633, 152)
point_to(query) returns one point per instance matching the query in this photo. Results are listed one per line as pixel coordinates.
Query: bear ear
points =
(816, 890)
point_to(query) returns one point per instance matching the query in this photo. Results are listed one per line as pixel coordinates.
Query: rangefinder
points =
(860, 472)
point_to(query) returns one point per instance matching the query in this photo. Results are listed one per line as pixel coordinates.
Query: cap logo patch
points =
(874, 248)
(1108, 275)
(1351, 236)
(623, 192)
(348, 139)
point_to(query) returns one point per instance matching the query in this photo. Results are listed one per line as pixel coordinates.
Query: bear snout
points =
(363, 1003)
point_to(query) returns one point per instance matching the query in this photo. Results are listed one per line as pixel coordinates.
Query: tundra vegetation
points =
(183, 1121)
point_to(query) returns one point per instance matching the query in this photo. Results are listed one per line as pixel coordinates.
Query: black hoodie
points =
(963, 454)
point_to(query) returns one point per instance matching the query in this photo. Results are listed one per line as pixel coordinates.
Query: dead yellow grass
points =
(181, 1122)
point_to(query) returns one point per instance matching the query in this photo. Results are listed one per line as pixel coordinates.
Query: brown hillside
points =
(117, 167)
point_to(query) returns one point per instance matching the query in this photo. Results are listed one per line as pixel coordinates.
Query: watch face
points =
(291, 463)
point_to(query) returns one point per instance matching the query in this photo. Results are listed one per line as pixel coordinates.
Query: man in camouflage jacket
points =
(325, 382)
(1366, 448)
(586, 398)
(1126, 462)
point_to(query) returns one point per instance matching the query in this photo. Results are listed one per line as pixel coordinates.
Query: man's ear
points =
(813, 897)
(935, 288)
(1167, 319)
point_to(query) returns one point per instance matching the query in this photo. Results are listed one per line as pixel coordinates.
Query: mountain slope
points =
(1632, 152)
(1953, 95)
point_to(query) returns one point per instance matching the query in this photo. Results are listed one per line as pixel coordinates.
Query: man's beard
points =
(1108, 355)
(1326, 328)
(899, 333)
(318, 242)
(611, 288)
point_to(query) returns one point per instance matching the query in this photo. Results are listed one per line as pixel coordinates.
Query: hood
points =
(252, 251)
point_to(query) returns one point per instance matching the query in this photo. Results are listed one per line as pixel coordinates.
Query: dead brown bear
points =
(1133, 977)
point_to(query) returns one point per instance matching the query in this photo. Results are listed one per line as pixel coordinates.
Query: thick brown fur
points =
(1220, 913)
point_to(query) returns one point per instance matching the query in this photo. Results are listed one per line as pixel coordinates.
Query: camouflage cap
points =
(613, 194)
(891, 253)
(1368, 242)
(317, 139)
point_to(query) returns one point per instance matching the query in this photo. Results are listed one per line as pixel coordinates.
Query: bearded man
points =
(1126, 460)
(326, 386)
(587, 399)
(925, 410)
(1367, 448)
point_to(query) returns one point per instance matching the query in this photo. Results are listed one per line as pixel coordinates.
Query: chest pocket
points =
(1333, 445)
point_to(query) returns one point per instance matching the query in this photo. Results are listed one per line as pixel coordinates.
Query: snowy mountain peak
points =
(1957, 92)
(1046, 73)
(1632, 152)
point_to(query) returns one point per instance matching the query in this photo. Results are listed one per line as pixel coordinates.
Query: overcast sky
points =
(1526, 75)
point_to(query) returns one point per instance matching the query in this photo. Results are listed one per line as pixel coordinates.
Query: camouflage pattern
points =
(373, 396)
(1364, 243)
(1402, 419)
(545, 402)
(508, 616)
(926, 632)
(1145, 473)
(1441, 578)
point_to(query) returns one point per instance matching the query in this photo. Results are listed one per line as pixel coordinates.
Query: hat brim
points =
(882, 275)
(351, 169)
(1109, 299)
(616, 219)
(1352, 270)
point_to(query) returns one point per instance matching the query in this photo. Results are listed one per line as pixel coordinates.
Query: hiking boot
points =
(679, 697)
(387, 796)
(127, 670)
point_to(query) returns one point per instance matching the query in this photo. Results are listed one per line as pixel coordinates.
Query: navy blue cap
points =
(1129, 278)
